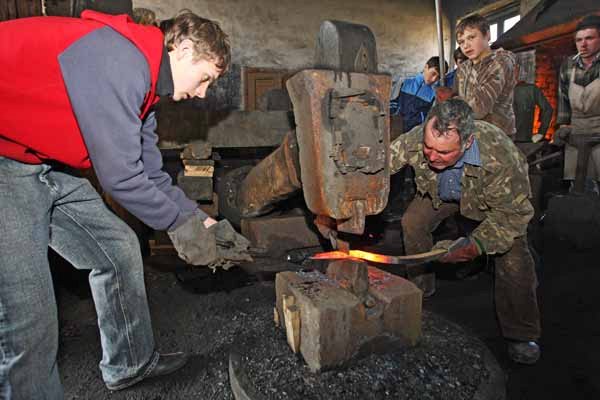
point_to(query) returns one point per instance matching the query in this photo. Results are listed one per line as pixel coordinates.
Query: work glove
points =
(561, 136)
(217, 246)
(461, 250)
(232, 248)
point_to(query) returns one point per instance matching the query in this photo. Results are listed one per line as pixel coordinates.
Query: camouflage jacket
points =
(497, 193)
(488, 88)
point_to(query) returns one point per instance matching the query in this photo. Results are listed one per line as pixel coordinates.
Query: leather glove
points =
(443, 93)
(561, 136)
(461, 250)
(217, 246)
(195, 244)
(232, 248)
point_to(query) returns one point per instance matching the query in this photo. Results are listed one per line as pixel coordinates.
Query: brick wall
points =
(548, 58)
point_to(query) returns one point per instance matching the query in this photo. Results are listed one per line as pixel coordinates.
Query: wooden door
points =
(259, 81)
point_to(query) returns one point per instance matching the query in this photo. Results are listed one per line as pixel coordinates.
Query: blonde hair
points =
(210, 42)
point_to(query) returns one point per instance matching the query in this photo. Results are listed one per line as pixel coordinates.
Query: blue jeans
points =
(41, 207)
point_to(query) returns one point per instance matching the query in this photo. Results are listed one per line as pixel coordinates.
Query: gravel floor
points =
(447, 364)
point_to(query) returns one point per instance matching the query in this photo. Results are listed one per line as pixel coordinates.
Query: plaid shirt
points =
(583, 77)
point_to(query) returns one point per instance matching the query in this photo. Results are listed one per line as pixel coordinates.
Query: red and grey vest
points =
(37, 122)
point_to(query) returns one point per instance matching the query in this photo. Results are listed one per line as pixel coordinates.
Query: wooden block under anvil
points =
(335, 315)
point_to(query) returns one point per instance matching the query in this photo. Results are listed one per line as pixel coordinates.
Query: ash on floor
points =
(446, 364)
(204, 325)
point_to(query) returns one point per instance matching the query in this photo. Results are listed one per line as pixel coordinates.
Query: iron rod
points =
(440, 35)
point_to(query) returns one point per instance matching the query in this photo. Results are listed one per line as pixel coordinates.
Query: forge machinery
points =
(338, 153)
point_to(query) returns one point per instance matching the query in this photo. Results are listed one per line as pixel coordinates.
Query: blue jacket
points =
(412, 99)
(450, 78)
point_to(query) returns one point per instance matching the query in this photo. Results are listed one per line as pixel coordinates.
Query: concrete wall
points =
(527, 5)
(282, 33)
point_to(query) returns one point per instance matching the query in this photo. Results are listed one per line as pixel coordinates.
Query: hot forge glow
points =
(362, 255)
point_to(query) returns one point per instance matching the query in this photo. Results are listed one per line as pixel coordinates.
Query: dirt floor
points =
(204, 317)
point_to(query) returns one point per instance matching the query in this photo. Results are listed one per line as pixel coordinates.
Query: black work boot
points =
(527, 353)
(166, 364)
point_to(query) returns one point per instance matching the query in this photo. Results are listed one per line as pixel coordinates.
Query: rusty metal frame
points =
(351, 182)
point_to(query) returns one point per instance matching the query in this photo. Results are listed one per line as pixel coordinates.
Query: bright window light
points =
(493, 33)
(510, 22)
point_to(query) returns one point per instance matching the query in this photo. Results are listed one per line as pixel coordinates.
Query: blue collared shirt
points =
(449, 179)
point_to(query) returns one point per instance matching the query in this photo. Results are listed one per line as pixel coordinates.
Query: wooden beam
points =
(291, 314)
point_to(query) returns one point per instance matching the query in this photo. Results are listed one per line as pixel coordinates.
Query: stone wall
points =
(281, 34)
(527, 5)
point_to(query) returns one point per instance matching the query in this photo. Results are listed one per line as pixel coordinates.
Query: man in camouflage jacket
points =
(473, 168)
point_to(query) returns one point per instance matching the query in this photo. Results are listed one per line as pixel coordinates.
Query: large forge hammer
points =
(339, 153)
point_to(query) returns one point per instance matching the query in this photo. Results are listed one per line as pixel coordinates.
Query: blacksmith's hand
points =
(461, 250)
(232, 248)
(561, 136)
(194, 242)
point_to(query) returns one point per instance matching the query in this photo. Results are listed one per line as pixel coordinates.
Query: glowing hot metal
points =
(382, 258)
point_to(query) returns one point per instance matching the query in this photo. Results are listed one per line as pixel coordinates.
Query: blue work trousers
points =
(40, 208)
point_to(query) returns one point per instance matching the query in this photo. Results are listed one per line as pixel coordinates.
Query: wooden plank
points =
(291, 317)
(292, 326)
(199, 170)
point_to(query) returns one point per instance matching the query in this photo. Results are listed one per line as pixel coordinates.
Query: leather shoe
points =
(527, 353)
(166, 364)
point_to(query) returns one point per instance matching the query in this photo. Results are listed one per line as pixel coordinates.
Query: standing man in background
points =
(579, 98)
(526, 97)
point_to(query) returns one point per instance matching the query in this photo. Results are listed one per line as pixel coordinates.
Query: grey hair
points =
(453, 111)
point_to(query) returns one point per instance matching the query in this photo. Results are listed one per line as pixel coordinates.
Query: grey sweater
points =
(107, 77)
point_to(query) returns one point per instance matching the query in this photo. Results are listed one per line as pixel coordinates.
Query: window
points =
(502, 18)
(510, 22)
(493, 32)
(501, 24)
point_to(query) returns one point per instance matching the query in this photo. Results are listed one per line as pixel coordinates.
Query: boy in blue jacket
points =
(413, 97)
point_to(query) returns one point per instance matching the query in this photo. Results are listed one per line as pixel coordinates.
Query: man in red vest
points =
(78, 92)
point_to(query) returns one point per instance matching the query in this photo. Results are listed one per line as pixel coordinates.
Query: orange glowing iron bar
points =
(382, 258)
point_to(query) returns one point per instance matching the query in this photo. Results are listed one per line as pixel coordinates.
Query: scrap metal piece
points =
(343, 140)
(241, 386)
